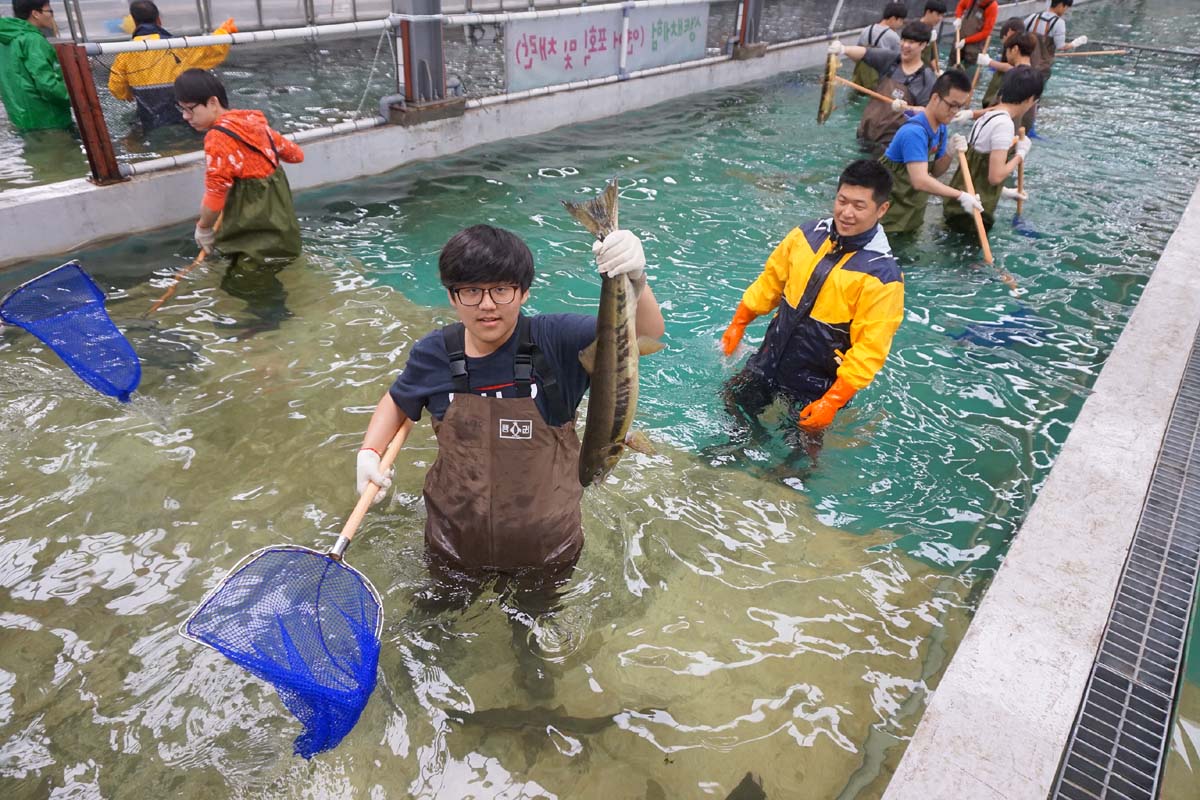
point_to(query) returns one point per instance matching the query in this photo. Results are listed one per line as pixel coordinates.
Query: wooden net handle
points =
(364, 500)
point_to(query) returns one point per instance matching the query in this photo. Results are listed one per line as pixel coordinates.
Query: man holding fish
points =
(502, 389)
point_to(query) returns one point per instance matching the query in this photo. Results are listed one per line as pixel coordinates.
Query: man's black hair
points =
(898, 10)
(22, 9)
(950, 80)
(1011, 25)
(870, 175)
(1057, 3)
(197, 85)
(936, 6)
(483, 254)
(1020, 84)
(916, 31)
(1026, 43)
(143, 12)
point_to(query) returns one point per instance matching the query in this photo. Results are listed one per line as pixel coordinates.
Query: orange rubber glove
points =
(229, 26)
(819, 413)
(733, 334)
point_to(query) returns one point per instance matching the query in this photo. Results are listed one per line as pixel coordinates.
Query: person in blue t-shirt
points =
(919, 154)
(502, 389)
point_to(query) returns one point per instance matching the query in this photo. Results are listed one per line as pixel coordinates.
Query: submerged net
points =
(65, 309)
(306, 624)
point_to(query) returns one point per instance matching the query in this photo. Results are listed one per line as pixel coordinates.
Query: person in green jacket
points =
(31, 81)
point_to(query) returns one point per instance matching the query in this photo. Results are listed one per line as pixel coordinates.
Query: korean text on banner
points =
(564, 49)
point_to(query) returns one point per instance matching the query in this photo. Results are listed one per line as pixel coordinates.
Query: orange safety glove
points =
(229, 26)
(733, 334)
(819, 413)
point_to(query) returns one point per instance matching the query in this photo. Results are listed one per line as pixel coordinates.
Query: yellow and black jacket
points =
(149, 77)
(849, 330)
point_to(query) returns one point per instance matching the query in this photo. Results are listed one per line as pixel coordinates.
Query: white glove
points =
(983, 59)
(957, 23)
(836, 48)
(960, 44)
(1009, 193)
(970, 202)
(206, 238)
(368, 472)
(1078, 41)
(933, 37)
(899, 105)
(1024, 145)
(966, 115)
(621, 254)
(958, 144)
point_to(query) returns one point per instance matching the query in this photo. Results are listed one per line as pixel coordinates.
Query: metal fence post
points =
(421, 65)
(748, 45)
(837, 12)
(89, 115)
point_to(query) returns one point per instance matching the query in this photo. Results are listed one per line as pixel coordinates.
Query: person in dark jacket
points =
(31, 81)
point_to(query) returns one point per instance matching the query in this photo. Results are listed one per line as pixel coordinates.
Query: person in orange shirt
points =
(974, 21)
(146, 78)
(244, 184)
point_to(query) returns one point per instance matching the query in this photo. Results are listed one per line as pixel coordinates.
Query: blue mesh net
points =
(306, 624)
(65, 309)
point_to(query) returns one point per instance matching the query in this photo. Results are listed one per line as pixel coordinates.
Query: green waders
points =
(907, 211)
(259, 222)
(972, 23)
(980, 165)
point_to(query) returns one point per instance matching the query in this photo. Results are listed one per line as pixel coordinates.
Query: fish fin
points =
(587, 357)
(648, 346)
(638, 441)
(598, 215)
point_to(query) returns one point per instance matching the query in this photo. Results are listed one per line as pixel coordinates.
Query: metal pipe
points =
(79, 18)
(310, 33)
(837, 12)
(130, 169)
(258, 8)
(621, 73)
(202, 17)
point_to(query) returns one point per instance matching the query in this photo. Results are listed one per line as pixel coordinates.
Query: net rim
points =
(254, 556)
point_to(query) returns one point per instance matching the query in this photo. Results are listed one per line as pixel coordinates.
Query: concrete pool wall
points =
(96, 213)
(998, 722)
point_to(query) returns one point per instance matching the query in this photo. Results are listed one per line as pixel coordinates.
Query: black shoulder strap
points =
(817, 280)
(454, 338)
(995, 115)
(237, 138)
(878, 37)
(528, 354)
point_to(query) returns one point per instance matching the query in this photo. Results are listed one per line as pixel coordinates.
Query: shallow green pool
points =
(722, 619)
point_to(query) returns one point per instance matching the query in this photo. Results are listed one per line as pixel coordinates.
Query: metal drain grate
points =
(1120, 738)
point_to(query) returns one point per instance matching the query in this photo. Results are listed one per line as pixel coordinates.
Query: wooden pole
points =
(864, 89)
(1008, 280)
(181, 273)
(1020, 176)
(978, 68)
(1074, 54)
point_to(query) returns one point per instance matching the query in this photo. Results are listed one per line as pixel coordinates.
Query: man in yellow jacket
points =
(840, 298)
(148, 77)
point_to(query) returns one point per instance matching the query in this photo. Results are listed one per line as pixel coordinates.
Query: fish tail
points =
(598, 215)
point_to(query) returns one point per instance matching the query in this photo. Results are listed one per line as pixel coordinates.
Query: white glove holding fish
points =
(621, 254)
(970, 202)
(368, 472)
(958, 144)
(1009, 193)
(966, 115)
(206, 238)
(836, 48)
(1078, 41)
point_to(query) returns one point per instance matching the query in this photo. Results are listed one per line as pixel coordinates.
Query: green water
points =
(722, 618)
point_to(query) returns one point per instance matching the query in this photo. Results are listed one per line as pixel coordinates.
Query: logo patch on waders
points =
(516, 429)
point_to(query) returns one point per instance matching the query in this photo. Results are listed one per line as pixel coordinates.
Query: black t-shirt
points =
(425, 381)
